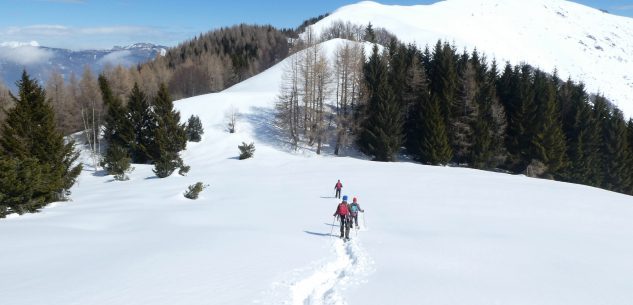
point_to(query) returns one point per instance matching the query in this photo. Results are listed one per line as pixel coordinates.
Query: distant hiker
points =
(342, 211)
(338, 186)
(354, 208)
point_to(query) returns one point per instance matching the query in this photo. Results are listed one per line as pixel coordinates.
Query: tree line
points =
(444, 107)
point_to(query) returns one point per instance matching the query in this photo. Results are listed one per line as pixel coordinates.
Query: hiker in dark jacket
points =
(342, 211)
(354, 208)
(338, 186)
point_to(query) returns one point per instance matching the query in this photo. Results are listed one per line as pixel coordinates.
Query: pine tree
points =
(381, 134)
(169, 136)
(118, 133)
(143, 124)
(30, 142)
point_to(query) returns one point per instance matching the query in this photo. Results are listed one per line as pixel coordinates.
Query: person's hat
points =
(345, 198)
(354, 200)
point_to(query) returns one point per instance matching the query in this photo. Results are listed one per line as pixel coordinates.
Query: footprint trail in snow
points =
(325, 285)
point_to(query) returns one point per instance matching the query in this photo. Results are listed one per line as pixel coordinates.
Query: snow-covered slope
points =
(260, 234)
(579, 41)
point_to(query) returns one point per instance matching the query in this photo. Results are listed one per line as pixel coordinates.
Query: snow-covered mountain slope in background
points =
(40, 61)
(584, 43)
(260, 234)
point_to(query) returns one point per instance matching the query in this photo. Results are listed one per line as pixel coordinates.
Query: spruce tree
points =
(169, 136)
(617, 162)
(143, 123)
(548, 141)
(118, 133)
(434, 147)
(444, 79)
(30, 142)
(381, 134)
(194, 129)
(416, 96)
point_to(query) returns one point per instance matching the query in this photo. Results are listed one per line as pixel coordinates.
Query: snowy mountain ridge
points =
(40, 61)
(580, 42)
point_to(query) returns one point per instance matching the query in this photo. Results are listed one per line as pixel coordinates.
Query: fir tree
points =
(169, 136)
(30, 143)
(617, 162)
(118, 133)
(370, 35)
(381, 134)
(143, 123)
(433, 144)
(444, 79)
(194, 129)
(548, 140)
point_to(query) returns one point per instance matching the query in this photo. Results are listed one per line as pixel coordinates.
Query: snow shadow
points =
(265, 130)
(319, 234)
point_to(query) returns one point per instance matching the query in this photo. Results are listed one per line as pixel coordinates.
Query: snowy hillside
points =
(260, 234)
(579, 41)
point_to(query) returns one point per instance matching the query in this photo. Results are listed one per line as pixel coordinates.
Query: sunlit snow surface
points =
(260, 234)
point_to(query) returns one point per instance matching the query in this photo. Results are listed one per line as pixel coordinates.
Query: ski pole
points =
(332, 226)
(364, 223)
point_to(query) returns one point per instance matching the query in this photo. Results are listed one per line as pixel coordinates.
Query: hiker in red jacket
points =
(338, 186)
(342, 211)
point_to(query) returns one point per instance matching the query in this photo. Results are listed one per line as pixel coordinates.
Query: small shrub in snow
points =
(194, 190)
(246, 150)
(194, 129)
(231, 118)
(117, 162)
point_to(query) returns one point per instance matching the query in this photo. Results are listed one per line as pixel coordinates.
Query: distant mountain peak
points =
(17, 44)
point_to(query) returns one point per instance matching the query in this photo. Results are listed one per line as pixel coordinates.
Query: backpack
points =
(342, 209)
(354, 208)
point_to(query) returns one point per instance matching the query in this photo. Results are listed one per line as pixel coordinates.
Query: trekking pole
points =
(332, 226)
(364, 223)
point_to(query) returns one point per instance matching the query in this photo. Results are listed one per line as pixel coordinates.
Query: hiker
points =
(342, 211)
(354, 208)
(338, 186)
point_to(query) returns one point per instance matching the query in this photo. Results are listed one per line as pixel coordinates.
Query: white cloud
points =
(117, 58)
(24, 53)
(104, 37)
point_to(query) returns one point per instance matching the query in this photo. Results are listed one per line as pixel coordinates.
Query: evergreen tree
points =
(434, 147)
(381, 133)
(618, 170)
(466, 113)
(548, 140)
(169, 136)
(118, 133)
(143, 123)
(582, 133)
(194, 129)
(370, 34)
(117, 127)
(30, 142)
(416, 97)
(444, 79)
(490, 128)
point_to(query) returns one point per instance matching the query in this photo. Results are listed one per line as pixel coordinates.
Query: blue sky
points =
(81, 24)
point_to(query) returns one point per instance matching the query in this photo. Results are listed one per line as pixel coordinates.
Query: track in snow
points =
(324, 286)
